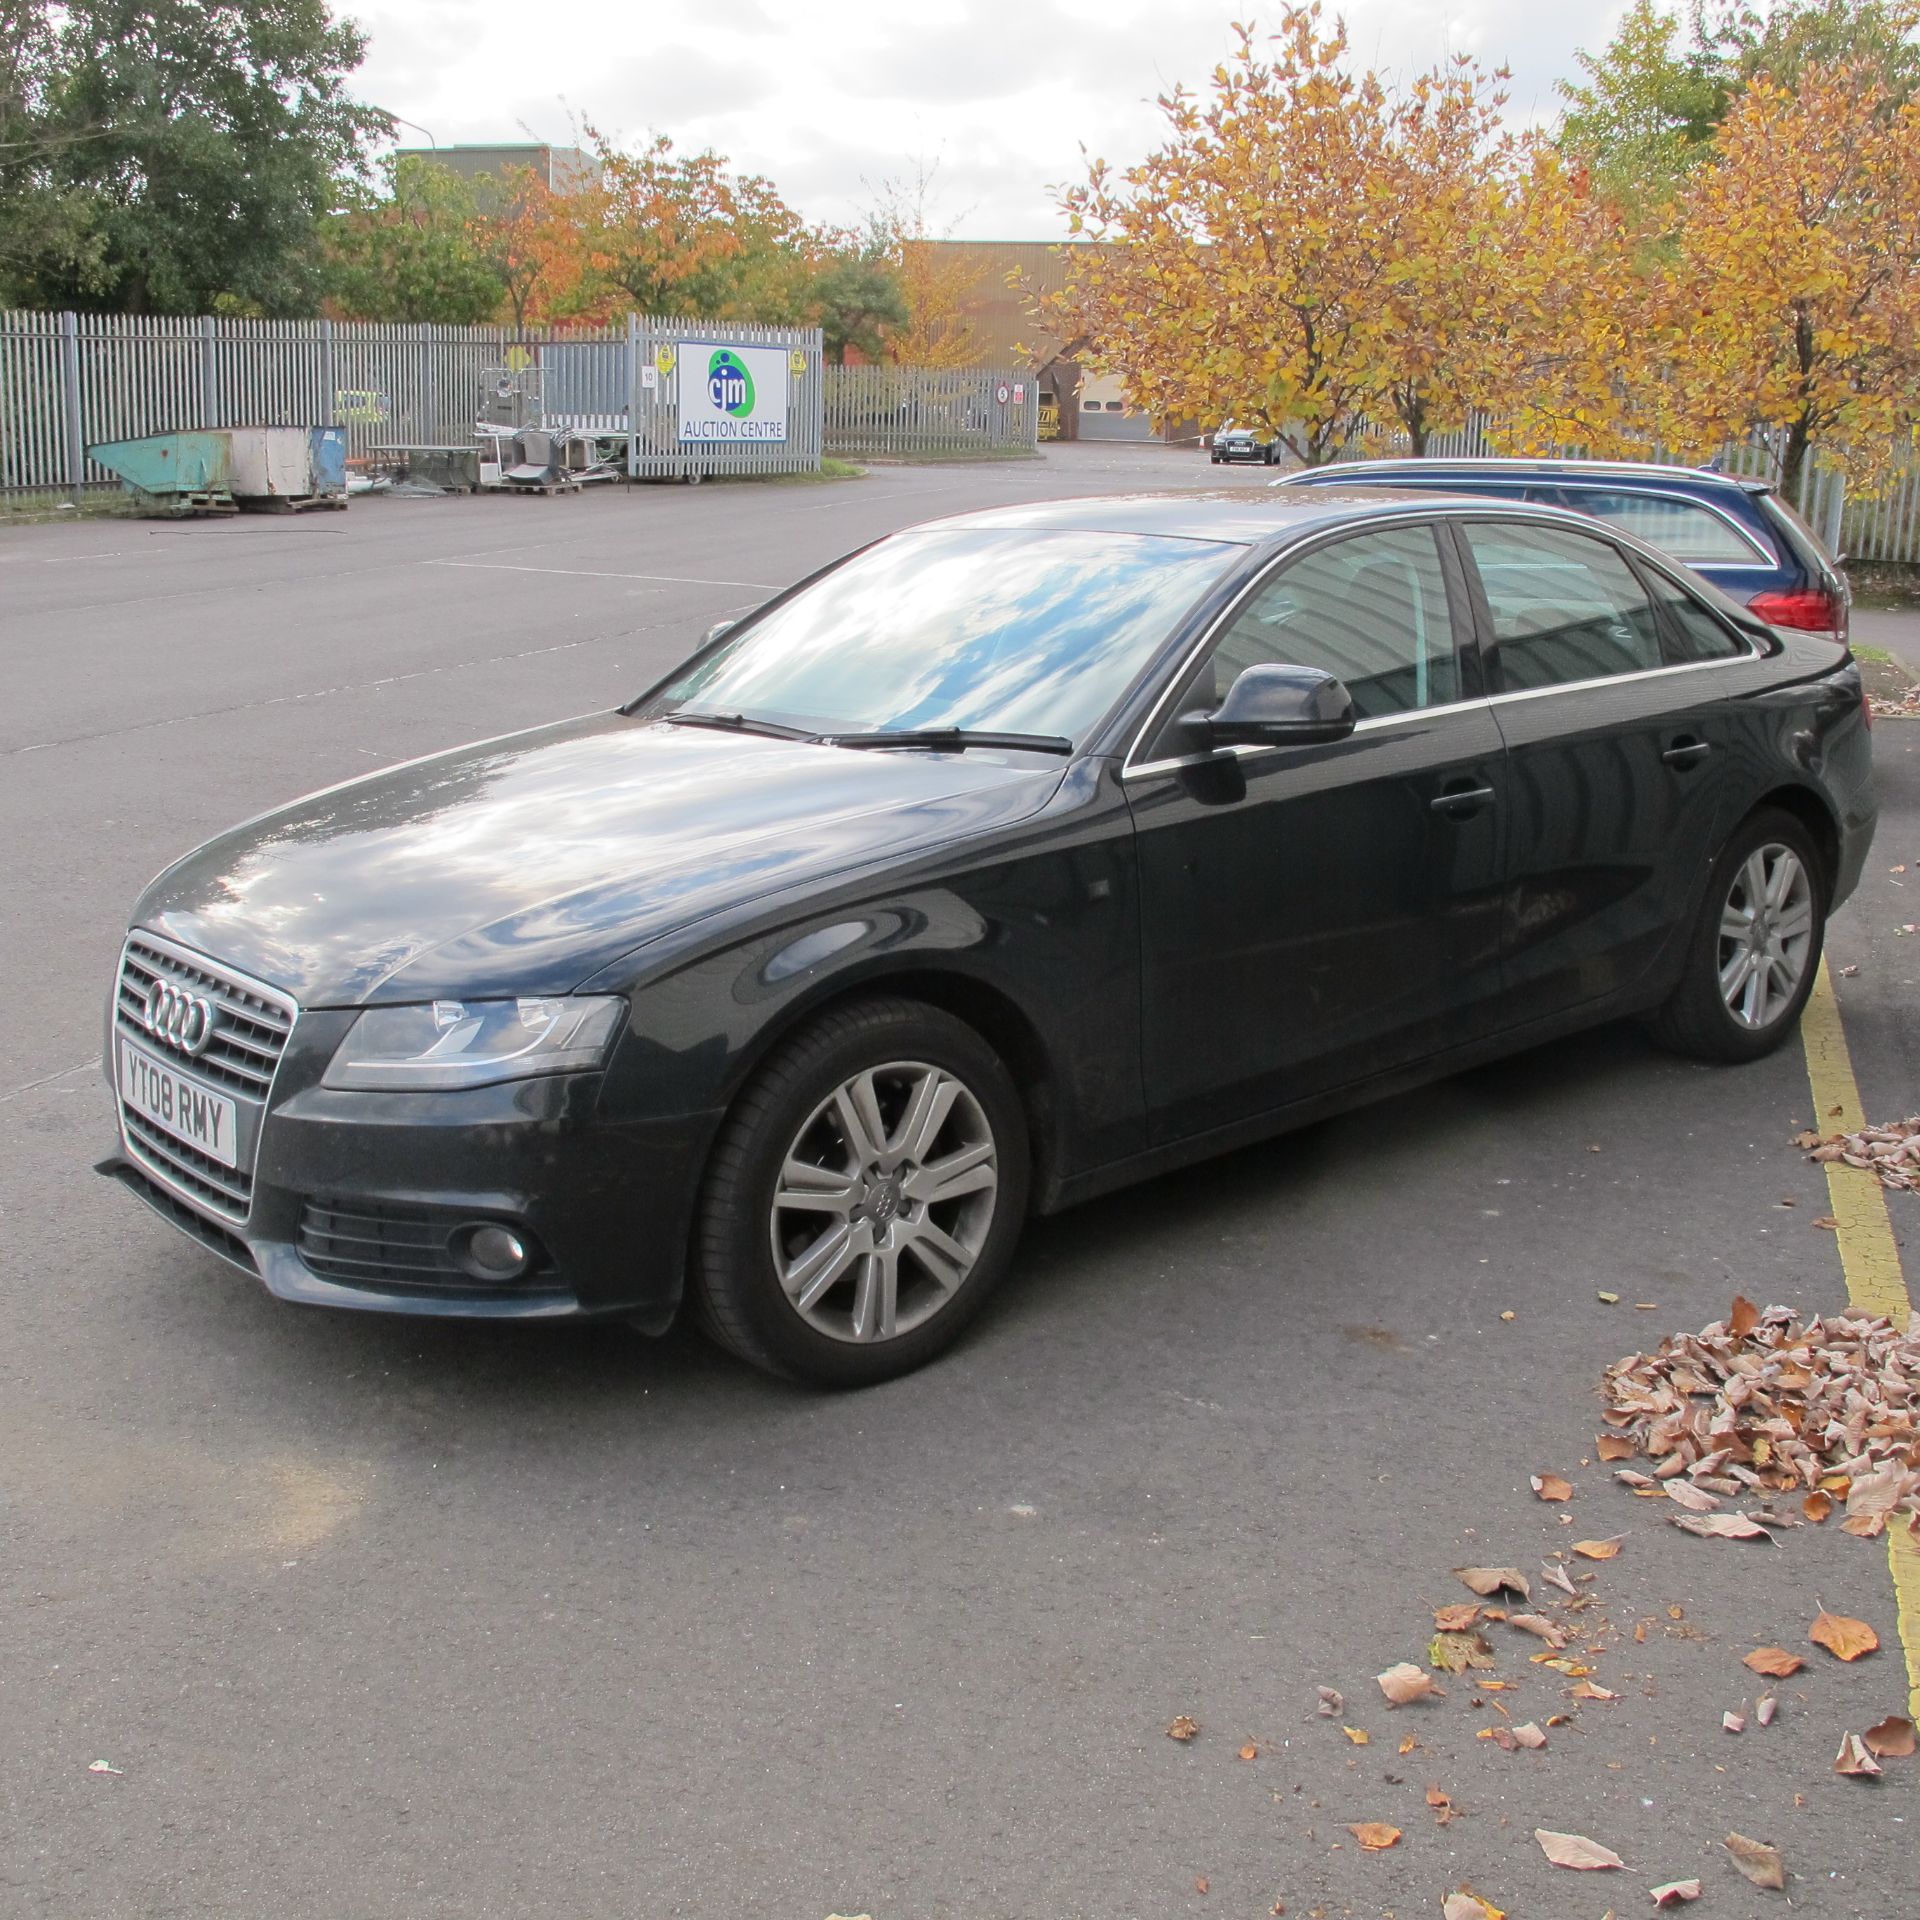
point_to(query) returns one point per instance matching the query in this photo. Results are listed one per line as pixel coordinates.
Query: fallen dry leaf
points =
(1200, 1883)
(1734, 1722)
(1182, 1727)
(1597, 1549)
(1332, 1704)
(1842, 1637)
(1827, 1223)
(1853, 1758)
(1249, 1751)
(1767, 1708)
(1406, 1683)
(1375, 1835)
(1864, 1526)
(1408, 1743)
(1575, 1850)
(1455, 1619)
(1743, 1317)
(1613, 1446)
(1556, 1576)
(1675, 1892)
(1456, 1652)
(1487, 1581)
(1817, 1505)
(1469, 1906)
(1529, 1735)
(1442, 1806)
(1760, 1863)
(1683, 1493)
(1549, 1486)
(1586, 1690)
(1775, 1662)
(1358, 1738)
(1540, 1626)
(1609, 1299)
(1892, 1739)
(1721, 1526)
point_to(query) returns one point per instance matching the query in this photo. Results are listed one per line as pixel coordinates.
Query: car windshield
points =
(1005, 629)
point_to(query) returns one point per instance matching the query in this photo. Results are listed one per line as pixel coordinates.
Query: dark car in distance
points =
(1740, 533)
(1235, 442)
(1008, 860)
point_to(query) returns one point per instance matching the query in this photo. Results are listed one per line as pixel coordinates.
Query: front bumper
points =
(356, 1196)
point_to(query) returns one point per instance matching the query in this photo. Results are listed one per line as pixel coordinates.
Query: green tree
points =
(859, 302)
(208, 140)
(1646, 111)
(411, 253)
(44, 229)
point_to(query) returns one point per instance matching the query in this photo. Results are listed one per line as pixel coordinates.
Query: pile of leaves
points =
(1891, 1152)
(1799, 1417)
(1888, 707)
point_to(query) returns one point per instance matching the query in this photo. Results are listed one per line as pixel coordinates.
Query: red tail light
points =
(1811, 609)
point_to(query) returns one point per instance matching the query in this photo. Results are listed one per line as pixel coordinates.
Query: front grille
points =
(253, 1023)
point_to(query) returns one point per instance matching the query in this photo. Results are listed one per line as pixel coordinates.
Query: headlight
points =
(472, 1043)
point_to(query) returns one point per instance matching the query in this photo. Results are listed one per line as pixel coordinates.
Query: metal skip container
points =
(220, 469)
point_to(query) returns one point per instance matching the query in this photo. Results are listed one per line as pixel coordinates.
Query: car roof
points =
(1243, 515)
(1468, 464)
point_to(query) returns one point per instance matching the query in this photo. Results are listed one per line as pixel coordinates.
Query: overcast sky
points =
(832, 97)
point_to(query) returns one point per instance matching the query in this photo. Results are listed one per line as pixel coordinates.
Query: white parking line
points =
(590, 573)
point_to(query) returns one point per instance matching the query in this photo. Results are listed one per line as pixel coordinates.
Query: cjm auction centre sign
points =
(732, 393)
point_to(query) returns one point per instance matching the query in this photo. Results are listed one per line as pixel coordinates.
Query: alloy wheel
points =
(884, 1201)
(1766, 935)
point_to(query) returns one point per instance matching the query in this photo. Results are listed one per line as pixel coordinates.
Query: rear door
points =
(1618, 759)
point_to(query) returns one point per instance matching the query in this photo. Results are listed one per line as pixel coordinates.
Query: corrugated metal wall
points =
(69, 381)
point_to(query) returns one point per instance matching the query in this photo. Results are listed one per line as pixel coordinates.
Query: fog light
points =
(491, 1252)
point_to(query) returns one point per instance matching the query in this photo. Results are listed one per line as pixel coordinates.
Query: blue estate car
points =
(1736, 532)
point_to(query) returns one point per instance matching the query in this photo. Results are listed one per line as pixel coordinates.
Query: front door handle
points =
(1458, 802)
(1687, 751)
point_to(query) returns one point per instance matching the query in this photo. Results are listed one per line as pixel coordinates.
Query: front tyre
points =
(1755, 950)
(864, 1197)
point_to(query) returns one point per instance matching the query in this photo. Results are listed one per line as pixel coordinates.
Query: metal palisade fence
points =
(918, 410)
(69, 382)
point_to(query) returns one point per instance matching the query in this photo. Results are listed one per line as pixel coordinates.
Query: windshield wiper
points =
(736, 723)
(954, 739)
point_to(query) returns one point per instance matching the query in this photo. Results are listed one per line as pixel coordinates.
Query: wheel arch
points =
(1812, 812)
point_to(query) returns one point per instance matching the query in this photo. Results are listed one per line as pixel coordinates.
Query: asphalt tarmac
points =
(380, 1621)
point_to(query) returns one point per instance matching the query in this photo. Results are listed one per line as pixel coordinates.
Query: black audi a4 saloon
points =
(1010, 859)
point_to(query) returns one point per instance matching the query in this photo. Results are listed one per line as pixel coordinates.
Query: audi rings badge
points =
(182, 1019)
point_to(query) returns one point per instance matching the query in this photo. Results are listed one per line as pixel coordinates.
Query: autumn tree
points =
(858, 302)
(1793, 302)
(1306, 250)
(541, 248)
(938, 286)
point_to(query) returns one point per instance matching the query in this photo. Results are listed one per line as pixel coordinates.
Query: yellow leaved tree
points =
(1792, 301)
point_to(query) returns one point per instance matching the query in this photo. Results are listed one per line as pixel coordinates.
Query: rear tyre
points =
(1755, 949)
(864, 1197)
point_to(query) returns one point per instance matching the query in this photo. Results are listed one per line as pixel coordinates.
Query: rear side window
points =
(1564, 608)
(1694, 632)
(1690, 532)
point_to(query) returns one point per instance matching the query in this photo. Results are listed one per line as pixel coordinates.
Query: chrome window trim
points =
(1522, 511)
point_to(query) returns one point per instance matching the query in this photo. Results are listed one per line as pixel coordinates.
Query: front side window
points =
(1006, 629)
(1370, 610)
(1564, 608)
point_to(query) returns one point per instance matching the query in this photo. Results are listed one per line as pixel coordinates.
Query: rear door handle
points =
(1460, 801)
(1687, 752)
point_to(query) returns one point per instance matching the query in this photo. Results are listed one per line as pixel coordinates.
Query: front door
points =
(1313, 916)
(1618, 758)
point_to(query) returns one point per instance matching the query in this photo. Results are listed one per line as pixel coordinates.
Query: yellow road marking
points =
(1868, 1256)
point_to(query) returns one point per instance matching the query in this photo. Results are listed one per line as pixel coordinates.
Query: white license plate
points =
(179, 1106)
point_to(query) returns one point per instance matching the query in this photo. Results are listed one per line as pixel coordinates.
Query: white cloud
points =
(829, 97)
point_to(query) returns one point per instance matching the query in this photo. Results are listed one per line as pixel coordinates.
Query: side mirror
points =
(718, 631)
(1275, 706)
